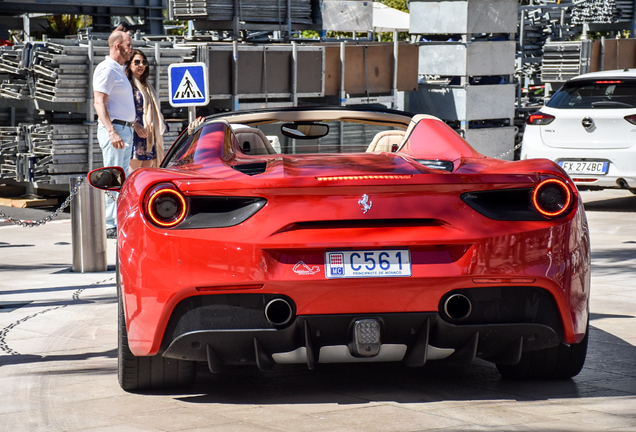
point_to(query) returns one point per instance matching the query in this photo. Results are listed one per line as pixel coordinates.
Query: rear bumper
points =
(410, 338)
(622, 163)
(504, 321)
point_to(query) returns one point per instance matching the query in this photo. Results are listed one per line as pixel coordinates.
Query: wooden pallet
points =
(11, 196)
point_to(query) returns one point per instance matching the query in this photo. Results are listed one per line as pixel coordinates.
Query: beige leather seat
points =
(385, 140)
(253, 141)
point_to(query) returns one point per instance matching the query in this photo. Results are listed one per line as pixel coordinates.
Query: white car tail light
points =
(538, 118)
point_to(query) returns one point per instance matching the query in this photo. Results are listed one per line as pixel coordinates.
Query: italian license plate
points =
(584, 167)
(364, 263)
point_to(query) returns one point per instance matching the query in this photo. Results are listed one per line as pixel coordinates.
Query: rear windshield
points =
(343, 137)
(597, 94)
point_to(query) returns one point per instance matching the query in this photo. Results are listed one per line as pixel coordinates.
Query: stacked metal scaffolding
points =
(594, 11)
(61, 71)
(49, 140)
(54, 152)
(624, 11)
(10, 146)
(13, 85)
(564, 60)
(248, 10)
(543, 22)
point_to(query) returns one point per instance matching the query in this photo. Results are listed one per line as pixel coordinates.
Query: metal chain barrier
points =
(111, 196)
(49, 218)
(518, 146)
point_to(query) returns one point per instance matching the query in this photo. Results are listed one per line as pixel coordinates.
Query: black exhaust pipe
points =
(278, 312)
(457, 307)
(622, 183)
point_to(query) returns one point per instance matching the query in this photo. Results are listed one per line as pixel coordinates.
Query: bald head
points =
(116, 37)
(120, 46)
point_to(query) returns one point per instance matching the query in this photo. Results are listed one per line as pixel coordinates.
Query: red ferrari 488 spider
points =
(318, 235)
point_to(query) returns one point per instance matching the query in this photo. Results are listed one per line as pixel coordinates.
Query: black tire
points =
(559, 362)
(149, 372)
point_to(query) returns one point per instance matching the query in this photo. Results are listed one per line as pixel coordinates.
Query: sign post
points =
(188, 84)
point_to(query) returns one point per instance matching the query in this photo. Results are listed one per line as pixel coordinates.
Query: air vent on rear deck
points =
(251, 168)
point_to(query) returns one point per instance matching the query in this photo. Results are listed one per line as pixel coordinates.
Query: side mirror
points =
(305, 130)
(109, 178)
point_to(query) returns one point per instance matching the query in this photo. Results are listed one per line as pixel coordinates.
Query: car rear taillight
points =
(165, 206)
(631, 118)
(538, 118)
(552, 198)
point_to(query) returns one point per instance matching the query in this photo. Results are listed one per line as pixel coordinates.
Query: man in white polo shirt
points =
(115, 107)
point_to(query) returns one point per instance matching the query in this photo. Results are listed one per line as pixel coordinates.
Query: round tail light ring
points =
(165, 206)
(552, 198)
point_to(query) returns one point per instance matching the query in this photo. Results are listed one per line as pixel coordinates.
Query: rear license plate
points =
(584, 167)
(357, 264)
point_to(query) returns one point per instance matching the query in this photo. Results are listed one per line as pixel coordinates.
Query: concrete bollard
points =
(88, 228)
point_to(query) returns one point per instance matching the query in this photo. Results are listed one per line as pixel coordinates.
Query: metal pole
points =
(235, 99)
(90, 108)
(396, 49)
(343, 99)
(88, 228)
(236, 19)
(522, 34)
(157, 68)
(26, 23)
(602, 56)
(289, 18)
(294, 74)
(170, 14)
(522, 31)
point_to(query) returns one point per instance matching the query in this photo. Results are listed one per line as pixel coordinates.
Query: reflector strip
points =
(233, 287)
(584, 180)
(368, 177)
(503, 280)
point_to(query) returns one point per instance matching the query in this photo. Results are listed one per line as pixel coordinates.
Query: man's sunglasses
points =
(138, 62)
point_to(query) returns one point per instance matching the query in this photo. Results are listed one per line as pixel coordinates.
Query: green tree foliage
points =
(396, 4)
(60, 26)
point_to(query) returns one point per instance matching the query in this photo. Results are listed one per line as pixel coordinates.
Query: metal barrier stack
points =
(46, 98)
(9, 148)
(61, 73)
(248, 10)
(564, 60)
(594, 11)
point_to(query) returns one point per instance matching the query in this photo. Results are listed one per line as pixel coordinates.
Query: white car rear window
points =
(595, 94)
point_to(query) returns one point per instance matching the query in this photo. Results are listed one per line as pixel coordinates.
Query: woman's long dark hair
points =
(144, 76)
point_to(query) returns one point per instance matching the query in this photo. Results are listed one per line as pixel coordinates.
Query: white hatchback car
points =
(588, 127)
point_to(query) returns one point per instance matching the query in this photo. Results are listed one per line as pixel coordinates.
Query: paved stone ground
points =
(58, 360)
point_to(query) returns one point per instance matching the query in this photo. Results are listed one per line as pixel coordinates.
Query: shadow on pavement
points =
(435, 382)
(624, 204)
(58, 289)
(34, 358)
(28, 267)
(607, 262)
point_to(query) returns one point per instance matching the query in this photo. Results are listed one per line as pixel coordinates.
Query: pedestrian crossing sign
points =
(188, 83)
